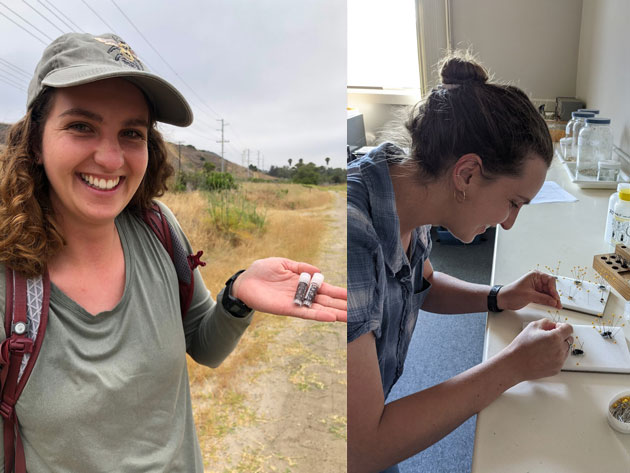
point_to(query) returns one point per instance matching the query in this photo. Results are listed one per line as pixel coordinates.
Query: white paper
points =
(552, 192)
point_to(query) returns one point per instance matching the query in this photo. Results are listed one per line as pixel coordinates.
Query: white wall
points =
(530, 43)
(603, 77)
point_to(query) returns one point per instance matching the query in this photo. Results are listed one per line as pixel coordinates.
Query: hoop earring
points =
(455, 196)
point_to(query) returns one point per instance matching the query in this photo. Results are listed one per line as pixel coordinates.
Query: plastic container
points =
(614, 406)
(621, 218)
(614, 198)
(608, 171)
(578, 121)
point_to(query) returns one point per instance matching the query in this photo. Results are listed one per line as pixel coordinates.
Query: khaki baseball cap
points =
(81, 58)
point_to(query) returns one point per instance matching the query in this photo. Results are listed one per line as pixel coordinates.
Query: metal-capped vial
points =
(316, 282)
(302, 287)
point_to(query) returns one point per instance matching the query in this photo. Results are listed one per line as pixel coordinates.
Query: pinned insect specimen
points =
(608, 328)
(577, 348)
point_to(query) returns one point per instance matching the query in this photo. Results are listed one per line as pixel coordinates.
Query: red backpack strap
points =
(184, 263)
(26, 317)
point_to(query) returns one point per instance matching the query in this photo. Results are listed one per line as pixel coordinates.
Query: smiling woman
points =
(82, 249)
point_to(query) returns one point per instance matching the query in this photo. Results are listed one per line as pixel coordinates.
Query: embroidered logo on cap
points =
(122, 52)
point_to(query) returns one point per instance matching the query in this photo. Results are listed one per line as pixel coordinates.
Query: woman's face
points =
(94, 150)
(499, 201)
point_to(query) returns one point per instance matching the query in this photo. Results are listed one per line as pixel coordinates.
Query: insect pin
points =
(577, 348)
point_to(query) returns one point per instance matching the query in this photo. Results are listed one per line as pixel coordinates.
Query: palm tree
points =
(290, 161)
(327, 161)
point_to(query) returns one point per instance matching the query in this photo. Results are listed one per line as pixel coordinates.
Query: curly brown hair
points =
(29, 233)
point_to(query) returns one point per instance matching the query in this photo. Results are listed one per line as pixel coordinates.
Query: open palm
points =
(269, 285)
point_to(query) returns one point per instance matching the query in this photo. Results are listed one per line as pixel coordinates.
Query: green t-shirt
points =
(110, 392)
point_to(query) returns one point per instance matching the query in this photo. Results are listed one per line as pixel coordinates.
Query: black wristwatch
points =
(492, 299)
(234, 306)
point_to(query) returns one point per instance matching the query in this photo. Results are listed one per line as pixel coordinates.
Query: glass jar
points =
(579, 120)
(594, 145)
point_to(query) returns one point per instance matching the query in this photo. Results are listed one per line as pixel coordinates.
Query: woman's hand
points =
(540, 349)
(533, 287)
(269, 285)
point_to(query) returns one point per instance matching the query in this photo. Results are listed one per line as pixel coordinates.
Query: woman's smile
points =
(102, 184)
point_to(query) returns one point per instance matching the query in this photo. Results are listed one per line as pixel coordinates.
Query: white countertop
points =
(555, 424)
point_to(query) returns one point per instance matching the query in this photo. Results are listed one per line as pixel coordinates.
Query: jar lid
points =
(582, 114)
(589, 110)
(598, 121)
(624, 194)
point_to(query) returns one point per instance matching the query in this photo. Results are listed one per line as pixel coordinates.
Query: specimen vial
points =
(305, 278)
(316, 282)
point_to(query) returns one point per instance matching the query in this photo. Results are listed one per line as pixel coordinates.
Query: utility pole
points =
(179, 158)
(247, 163)
(258, 165)
(223, 141)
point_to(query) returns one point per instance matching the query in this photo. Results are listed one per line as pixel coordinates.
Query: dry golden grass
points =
(291, 231)
(284, 196)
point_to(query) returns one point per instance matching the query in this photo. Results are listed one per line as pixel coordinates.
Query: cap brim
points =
(168, 104)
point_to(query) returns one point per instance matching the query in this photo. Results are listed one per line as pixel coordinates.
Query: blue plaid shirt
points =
(385, 289)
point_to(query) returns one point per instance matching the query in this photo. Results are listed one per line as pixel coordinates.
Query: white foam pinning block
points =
(582, 296)
(601, 354)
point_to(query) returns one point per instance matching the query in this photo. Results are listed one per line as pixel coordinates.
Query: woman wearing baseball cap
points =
(109, 391)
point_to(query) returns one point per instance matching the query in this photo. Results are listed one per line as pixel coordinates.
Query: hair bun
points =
(459, 69)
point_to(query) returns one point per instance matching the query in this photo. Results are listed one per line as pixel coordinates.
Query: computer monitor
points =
(356, 131)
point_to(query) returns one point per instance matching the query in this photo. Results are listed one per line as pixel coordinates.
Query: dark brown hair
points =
(29, 233)
(466, 114)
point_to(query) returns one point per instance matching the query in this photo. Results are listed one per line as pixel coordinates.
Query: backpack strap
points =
(25, 317)
(184, 263)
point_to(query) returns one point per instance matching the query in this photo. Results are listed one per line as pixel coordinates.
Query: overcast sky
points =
(274, 70)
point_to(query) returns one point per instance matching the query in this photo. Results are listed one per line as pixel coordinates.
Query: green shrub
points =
(235, 217)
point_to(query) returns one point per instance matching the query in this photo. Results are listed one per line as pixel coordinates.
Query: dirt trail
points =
(300, 402)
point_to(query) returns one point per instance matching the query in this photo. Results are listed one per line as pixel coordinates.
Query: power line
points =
(15, 76)
(25, 20)
(57, 16)
(191, 130)
(17, 24)
(2, 79)
(65, 16)
(43, 16)
(16, 68)
(20, 82)
(164, 60)
(109, 28)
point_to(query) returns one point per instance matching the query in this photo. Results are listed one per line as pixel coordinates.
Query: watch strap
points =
(492, 299)
(234, 306)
